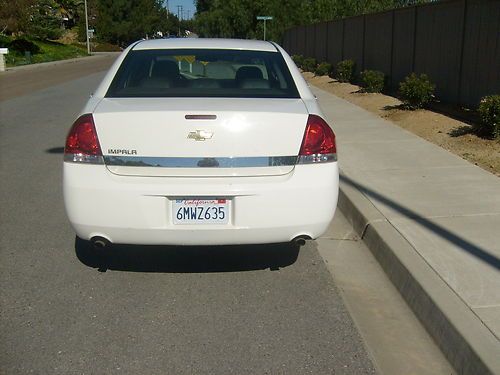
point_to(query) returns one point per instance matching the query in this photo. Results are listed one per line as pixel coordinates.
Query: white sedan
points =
(201, 142)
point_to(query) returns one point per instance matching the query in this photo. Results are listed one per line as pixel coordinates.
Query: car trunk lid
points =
(200, 136)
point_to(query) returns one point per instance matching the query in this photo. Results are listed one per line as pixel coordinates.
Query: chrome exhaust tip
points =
(100, 243)
(301, 240)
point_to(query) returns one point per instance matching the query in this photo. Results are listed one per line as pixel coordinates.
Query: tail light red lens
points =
(319, 138)
(82, 144)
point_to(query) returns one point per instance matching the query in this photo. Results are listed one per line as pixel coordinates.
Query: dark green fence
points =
(456, 42)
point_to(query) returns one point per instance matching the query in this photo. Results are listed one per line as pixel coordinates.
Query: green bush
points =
(323, 69)
(416, 91)
(489, 112)
(298, 60)
(309, 64)
(4, 41)
(373, 80)
(106, 47)
(22, 45)
(345, 70)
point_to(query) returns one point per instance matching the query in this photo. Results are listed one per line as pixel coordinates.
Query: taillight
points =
(82, 144)
(318, 144)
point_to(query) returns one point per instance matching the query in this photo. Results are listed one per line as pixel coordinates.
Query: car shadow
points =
(187, 259)
(55, 150)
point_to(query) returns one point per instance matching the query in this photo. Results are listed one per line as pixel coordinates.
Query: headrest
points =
(165, 69)
(249, 72)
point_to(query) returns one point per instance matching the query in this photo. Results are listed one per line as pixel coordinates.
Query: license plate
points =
(200, 211)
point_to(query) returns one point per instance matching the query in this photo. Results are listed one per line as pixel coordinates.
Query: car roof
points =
(205, 43)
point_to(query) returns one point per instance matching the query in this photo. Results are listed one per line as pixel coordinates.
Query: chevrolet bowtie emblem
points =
(200, 135)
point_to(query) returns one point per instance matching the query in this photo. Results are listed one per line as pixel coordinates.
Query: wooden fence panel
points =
(456, 43)
(353, 41)
(403, 44)
(335, 37)
(438, 46)
(378, 42)
(320, 41)
(481, 55)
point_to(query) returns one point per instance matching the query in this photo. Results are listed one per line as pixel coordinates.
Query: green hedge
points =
(416, 91)
(323, 69)
(372, 80)
(309, 64)
(298, 60)
(345, 70)
(489, 112)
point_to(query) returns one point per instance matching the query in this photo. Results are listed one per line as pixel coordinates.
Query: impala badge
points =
(200, 135)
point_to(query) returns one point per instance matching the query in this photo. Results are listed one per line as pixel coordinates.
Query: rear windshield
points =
(203, 73)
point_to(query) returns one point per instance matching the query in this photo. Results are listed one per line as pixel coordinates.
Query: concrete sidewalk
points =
(432, 220)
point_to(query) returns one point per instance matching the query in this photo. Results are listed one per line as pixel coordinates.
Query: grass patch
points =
(49, 51)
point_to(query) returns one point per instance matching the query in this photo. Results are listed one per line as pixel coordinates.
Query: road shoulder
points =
(395, 339)
(24, 80)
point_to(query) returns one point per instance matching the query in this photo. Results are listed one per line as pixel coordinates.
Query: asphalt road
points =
(152, 310)
(26, 79)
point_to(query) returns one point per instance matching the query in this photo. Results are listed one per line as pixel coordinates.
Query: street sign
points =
(264, 18)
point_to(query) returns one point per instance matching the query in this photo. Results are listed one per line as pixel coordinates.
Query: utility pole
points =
(179, 16)
(87, 28)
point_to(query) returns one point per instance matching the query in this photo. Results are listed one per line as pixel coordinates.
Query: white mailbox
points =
(3, 52)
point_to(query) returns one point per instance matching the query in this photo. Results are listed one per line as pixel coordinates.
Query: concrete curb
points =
(467, 344)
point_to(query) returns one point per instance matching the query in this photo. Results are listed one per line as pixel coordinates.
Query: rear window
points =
(203, 73)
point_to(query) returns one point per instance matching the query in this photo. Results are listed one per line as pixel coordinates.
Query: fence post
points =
(363, 45)
(326, 41)
(414, 49)
(462, 45)
(343, 34)
(393, 12)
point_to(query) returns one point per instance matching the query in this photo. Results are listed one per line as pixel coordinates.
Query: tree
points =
(38, 18)
(14, 15)
(45, 22)
(124, 21)
(231, 18)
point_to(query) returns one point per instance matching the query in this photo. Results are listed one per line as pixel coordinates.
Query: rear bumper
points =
(138, 210)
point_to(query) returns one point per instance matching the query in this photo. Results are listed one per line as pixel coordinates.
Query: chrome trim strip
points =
(174, 162)
(200, 117)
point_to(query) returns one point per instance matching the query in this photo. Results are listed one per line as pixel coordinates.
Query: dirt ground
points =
(453, 135)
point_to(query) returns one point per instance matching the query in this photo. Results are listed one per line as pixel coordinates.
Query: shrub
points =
(489, 112)
(373, 80)
(298, 60)
(323, 69)
(106, 47)
(309, 64)
(416, 91)
(4, 41)
(345, 70)
(23, 45)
